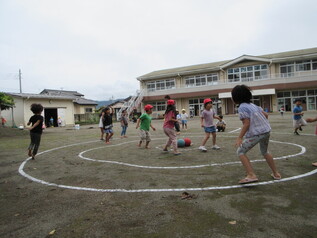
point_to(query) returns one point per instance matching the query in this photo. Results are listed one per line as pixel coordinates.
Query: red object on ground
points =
(188, 142)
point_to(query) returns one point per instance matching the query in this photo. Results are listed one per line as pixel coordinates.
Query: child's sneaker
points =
(215, 147)
(202, 148)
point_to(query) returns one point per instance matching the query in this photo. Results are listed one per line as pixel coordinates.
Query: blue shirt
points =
(259, 124)
(297, 109)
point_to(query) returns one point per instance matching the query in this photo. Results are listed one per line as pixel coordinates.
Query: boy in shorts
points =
(298, 120)
(144, 122)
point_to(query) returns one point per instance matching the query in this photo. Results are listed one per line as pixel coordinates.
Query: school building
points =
(275, 79)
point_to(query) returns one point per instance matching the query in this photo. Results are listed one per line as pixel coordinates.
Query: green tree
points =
(6, 101)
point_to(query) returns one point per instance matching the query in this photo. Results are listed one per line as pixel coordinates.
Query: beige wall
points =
(22, 112)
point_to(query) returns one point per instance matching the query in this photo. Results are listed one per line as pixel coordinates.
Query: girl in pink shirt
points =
(168, 127)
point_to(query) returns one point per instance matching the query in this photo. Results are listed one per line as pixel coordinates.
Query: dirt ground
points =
(147, 201)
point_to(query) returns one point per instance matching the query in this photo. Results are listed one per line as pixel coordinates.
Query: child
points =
(3, 121)
(124, 123)
(298, 121)
(168, 127)
(107, 123)
(101, 115)
(282, 111)
(59, 122)
(312, 120)
(36, 129)
(221, 124)
(145, 121)
(207, 122)
(256, 129)
(184, 118)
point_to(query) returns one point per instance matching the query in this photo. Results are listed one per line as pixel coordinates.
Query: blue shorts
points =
(184, 122)
(210, 129)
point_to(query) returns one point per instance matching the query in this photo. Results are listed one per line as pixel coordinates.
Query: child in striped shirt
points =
(256, 129)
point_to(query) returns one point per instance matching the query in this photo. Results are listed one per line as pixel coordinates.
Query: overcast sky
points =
(100, 47)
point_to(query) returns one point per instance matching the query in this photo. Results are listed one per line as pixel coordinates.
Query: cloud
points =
(99, 47)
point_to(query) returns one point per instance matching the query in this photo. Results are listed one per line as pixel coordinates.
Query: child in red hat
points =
(144, 122)
(207, 122)
(168, 127)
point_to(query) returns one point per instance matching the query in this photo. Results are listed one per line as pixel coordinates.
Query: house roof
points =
(40, 96)
(215, 66)
(61, 92)
(77, 100)
(84, 101)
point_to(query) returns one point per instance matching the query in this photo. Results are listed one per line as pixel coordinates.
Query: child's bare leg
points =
(140, 143)
(205, 139)
(107, 138)
(213, 138)
(111, 134)
(30, 153)
(247, 166)
(147, 145)
(269, 159)
(102, 133)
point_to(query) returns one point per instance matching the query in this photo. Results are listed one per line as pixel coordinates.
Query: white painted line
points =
(235, 130)
(21, 171)
(161, 189)
(303, 150)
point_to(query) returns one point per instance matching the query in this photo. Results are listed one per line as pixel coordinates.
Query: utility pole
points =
(20, 80)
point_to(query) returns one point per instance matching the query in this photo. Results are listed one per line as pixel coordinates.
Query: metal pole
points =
(20, 80)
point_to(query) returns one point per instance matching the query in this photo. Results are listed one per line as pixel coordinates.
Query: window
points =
(303, 65)
(248, 73)
(88, 110)
(201, 80)
(212, 79)
(170, 84)
(160, 85)
(158, 106)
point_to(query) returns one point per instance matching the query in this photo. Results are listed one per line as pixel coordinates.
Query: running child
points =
(168, 126)
(144, 122)
(256, 130)
(107, 124)
(184, 117)
(298, 120)
(36, 129)
(207, 122)
(124, 123)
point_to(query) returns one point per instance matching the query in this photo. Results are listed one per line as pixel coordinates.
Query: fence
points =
(87, 118)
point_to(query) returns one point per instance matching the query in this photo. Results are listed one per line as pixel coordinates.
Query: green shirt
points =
(145, 120)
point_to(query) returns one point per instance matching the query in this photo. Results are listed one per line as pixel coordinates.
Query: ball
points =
(180, 143)
(188, 142)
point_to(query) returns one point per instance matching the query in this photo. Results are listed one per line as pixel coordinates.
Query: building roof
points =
(61, 92)
(84, 101)
(215, 66)
(77, 100)
(40, 96)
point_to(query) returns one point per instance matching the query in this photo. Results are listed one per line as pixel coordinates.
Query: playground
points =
(80, 187)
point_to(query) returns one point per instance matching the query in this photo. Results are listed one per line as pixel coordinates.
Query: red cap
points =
(207, 100)
(170, 102)
(148, 107)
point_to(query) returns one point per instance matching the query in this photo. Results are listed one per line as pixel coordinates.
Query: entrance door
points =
(48, 114)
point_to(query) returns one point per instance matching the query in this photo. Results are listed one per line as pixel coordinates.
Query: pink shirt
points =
(167, 122)
(208, 117)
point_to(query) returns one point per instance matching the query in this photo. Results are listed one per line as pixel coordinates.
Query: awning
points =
(259, 92)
